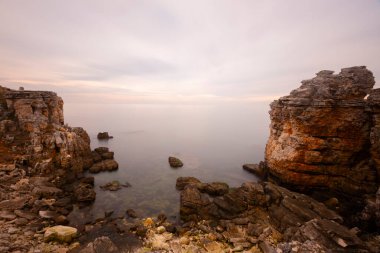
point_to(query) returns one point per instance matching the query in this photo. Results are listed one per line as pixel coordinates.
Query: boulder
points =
(175, 162)
(60, 234)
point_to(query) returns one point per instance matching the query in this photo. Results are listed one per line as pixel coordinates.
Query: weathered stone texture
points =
(33, 133)
(325, 134)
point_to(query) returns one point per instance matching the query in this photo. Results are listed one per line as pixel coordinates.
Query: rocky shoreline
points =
(319, 190)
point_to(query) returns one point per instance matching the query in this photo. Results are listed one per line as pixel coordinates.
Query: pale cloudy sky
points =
(177, 51)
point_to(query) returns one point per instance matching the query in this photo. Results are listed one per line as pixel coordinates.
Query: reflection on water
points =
(212, 141)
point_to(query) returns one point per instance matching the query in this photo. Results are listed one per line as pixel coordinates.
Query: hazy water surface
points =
(213, 141)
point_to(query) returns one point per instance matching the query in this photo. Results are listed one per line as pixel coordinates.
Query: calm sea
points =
(213, 141)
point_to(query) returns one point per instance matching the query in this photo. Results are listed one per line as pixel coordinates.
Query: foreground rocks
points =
(265, 210)
(325, 134)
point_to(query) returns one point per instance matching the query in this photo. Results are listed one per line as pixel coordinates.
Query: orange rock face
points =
(326, 134)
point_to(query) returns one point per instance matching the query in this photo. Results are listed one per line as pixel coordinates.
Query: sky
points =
(171, 51)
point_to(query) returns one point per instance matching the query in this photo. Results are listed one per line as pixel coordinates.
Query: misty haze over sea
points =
(213, 141)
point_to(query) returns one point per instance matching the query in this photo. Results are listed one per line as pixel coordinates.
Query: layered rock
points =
(33, 134)
(325, 134)
(265, 210)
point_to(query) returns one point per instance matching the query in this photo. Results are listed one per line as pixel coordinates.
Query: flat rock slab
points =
(60, 234)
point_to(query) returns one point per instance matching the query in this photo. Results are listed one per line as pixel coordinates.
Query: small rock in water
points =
(104, 135)
(175, 162)
(111, 186)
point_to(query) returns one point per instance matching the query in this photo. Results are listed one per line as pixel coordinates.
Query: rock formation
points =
(33, 134)
(264, 211)
(326, 134)
(41, 165)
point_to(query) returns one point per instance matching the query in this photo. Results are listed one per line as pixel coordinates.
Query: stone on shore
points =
(60, 234)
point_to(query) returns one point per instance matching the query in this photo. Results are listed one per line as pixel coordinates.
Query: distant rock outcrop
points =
(326, 134)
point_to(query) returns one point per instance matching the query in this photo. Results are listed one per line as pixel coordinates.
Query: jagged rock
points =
(192, 201)
(105, 165)
(325, 134)
(60, 233)
(104, 136)
(175, 162)
(215, 188)
(34, 121)
(182, 182)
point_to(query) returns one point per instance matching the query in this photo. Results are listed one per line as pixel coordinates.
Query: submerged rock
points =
(175, 162)
(111, 186)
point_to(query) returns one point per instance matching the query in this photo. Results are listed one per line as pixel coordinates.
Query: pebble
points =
(161, 229)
